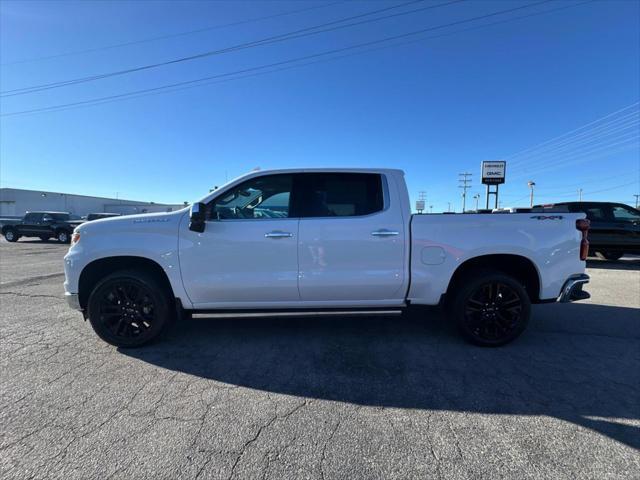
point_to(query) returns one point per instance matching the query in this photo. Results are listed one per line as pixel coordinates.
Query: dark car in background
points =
(98, 216)
(43, 225)
(614, 230)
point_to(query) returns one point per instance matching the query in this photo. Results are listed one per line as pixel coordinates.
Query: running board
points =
(290, 313)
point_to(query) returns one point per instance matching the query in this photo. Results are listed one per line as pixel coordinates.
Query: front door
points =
(626, 223)
(352, 240)
(247, 255)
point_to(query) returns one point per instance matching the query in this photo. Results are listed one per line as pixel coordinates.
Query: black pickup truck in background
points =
(43, 225)
(614, 230)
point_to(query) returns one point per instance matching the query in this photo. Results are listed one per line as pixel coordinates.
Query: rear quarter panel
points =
(440, 244)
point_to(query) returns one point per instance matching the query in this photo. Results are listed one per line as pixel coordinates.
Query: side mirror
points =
(197, 217)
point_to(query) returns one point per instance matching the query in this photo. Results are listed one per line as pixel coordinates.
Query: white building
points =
(14, 202)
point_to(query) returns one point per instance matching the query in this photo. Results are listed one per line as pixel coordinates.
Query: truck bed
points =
(441, 243)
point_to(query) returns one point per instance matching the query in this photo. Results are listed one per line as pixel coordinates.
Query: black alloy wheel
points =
(129, 309)
(492, 309)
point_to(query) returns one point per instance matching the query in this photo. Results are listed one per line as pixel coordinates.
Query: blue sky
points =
(434, 107)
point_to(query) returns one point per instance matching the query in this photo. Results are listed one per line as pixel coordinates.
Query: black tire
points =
(129, 308)
(11, 235)
(44, 239)
(490, 308)
(607, 255)
(63, 236)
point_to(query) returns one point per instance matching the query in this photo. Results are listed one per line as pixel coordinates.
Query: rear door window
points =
(33, 217)
(339, 194)
(595, 213)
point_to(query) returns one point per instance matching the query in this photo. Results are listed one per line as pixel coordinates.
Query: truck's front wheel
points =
(129, 308)
(491, 308)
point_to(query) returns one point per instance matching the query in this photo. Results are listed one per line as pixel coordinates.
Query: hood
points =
(133, 223)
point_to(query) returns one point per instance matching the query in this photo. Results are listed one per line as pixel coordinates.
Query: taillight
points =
(583, 226)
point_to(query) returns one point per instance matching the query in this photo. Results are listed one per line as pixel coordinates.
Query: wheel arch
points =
(98, 269)
(517, 266)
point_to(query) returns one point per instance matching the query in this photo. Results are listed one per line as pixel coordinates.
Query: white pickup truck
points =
(321, 240)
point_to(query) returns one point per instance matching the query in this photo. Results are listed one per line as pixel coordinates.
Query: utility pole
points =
(637, 197)
(420, 204)
(531, 184)
(579, 194)
(449, 206)
(465, 184)
(476, 197)
(431, 208)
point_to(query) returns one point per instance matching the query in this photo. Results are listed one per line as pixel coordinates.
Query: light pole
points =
(531, 184)
(430, 208)
(579, 194)
(449, 206)
(476, 197)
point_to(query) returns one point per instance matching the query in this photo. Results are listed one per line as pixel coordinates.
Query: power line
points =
(190, 83)
(583, 150)
(304, 32)
(571, 131)
(173, 35)
(612, 127)
(583, 157)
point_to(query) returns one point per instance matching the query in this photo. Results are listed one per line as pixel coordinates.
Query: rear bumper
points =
(572, 289)
(73, 300)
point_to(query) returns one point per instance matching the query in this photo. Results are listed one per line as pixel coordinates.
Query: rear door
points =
(31, 224)
(601, 232)
(352, 238)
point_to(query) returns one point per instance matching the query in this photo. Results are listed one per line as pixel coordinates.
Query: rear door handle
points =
(278, 234)
(384, 233)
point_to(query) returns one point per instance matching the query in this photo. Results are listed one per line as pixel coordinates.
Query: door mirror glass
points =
(197, 217)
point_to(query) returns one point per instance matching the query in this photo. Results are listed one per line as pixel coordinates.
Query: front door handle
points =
(278, 234)
(384, 233)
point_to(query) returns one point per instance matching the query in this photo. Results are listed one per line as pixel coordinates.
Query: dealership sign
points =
(493, 172)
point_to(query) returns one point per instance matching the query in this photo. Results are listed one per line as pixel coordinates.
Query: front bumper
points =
(572, 289)
(73, 300)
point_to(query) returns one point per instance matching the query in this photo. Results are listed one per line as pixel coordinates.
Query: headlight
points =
(75, 238)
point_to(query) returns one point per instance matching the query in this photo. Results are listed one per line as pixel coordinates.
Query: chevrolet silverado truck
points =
(43, 225)
(328, 241)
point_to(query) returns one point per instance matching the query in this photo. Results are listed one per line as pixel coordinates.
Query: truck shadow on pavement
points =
(577, 362)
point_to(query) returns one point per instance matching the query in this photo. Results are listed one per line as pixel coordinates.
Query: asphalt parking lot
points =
(399, 397)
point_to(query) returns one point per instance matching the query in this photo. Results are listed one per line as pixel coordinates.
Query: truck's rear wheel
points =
(11, 235)
(63, 236)
(129, 308)
(491, 309)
